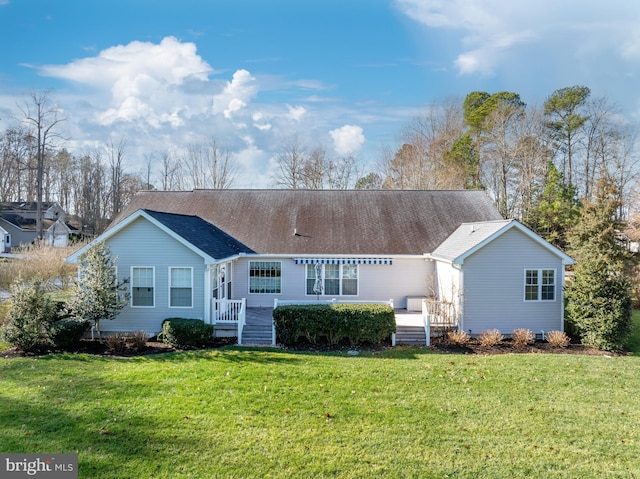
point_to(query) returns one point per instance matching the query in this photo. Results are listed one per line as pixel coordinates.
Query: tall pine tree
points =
(599, 295)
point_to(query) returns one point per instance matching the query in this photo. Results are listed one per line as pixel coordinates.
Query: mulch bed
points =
(506, 347)
(439, 345)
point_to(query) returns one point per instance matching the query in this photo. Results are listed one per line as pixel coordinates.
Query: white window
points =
(332, 279)
(180, 287)
(265, 277)
(142, 286)
(540, 285)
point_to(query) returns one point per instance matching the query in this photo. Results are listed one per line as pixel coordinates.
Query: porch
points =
(254, 326)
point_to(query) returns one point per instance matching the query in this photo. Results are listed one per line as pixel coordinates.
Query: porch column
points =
(207, 294)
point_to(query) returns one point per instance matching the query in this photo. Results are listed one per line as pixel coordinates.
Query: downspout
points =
(460, 296)
(564, 272)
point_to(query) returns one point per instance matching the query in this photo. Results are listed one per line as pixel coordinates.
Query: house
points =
(186, 252)
(19, 220)
(5, 241)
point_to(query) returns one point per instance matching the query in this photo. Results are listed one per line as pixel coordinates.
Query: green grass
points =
(266, 413)
(632, 344)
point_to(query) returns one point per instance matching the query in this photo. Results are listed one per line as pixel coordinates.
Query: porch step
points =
(410, 335)
(256, 334)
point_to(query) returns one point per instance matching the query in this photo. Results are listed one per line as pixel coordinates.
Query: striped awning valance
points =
(344, 261)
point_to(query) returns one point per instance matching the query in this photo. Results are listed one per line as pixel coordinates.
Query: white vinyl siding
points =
(494, 282)
(142, 286)
(405, 277)
(180, 287)
(265, 277)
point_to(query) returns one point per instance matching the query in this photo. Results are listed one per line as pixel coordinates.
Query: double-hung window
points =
(332, 279)
(540, 285)
(265, 277)
(142, 286)
(180, 287)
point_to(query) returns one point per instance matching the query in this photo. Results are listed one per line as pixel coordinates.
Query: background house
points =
(19, 220)
(184, 251)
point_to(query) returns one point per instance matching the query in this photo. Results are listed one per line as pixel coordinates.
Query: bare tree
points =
(172, 177)
(290, 162)
(42, 116)
(422, 160)
(115, 155)
(209, 166)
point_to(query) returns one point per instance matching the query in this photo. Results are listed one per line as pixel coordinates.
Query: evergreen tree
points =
(557, 210)
(97, 294)
(30, 316)
(599, 295)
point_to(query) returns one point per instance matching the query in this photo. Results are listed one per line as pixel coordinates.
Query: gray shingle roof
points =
(466, 237)
(201, 234)
(380, 222)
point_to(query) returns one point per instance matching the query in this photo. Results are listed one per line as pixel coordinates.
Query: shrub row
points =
(520, 337)
(181, 332)
(356, 323)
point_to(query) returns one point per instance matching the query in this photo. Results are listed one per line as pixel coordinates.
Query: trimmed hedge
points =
(67, 333)
(333, 323)
(180, 332)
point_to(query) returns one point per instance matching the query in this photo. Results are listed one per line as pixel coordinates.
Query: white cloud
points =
(347, 139)
(296, 112)
(139, 81)
(236, 94)
(494, 31)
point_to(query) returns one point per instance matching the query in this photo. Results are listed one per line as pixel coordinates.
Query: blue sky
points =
(254, 75)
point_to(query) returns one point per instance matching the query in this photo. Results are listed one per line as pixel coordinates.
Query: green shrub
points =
(332, 323)
(30, 317)
(67, 333)
(180, 332)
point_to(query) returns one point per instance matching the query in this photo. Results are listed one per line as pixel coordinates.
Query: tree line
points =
(538, 163)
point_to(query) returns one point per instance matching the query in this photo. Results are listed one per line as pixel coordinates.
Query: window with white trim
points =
(332, 279)
(540, 285)
(142, 287)
(180, 287)
(265, 277)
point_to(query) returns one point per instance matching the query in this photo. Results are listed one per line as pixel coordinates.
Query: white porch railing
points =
(230, 311)
(282, 302)
(426, 321)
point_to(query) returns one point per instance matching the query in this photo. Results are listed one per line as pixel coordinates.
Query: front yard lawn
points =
(403, 412)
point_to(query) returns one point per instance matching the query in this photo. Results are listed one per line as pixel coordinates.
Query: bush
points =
(39, 262)
(180, 332)
(490, 337)
(67, 333)
(332, 323)
(30, 316)
(116, 342)
(558, 339)
(522, 337)
(458, 338)
(138, 340)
